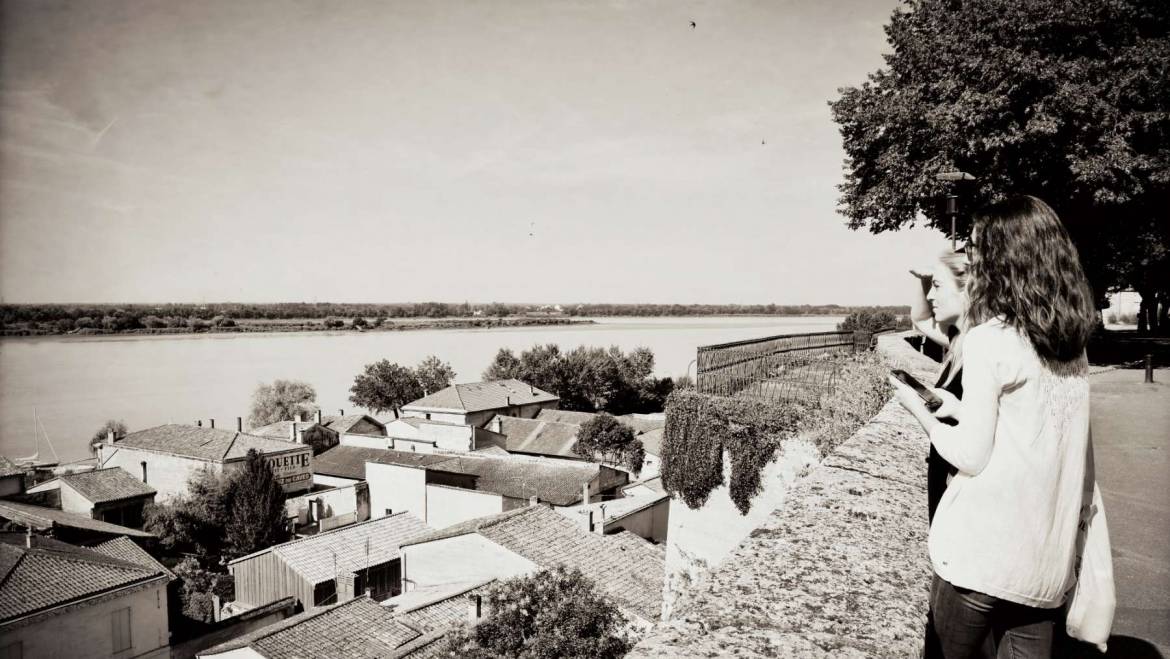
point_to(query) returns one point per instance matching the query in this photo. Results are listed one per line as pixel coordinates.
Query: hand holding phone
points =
(932, 401)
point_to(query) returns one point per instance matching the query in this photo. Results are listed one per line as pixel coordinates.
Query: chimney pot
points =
(318, 416)
(588, 520)
(28, 537)
(239, 424)
(533, 501)
(199, 422)
(211, 422)
(585, 494)
(143, 463)
(474, 608)
(110, 437)
(292, 432)
(340, 412)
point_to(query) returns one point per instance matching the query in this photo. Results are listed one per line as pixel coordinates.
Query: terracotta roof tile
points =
(42, 518)
(556, 481)
(125, 549)
(538, 436)
(479, 396)
(436, 608)
(348, 461)
(213, 444)
(105, 485)
(343, 424)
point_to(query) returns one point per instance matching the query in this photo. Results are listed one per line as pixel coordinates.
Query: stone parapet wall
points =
(840, 569)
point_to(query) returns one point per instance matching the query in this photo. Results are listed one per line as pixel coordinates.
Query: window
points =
(121, 629)
(12, 650)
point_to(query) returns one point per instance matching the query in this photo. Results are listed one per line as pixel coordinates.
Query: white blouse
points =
(1007, 524)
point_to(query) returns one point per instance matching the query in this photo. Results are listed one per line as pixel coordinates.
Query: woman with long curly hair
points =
(1004, 537)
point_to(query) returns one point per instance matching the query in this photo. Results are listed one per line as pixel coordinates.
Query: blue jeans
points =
(965, 619)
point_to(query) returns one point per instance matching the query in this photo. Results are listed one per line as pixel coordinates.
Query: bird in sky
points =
(692, 25)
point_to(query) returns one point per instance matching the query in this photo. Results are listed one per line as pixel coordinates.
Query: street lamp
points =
(952, 197)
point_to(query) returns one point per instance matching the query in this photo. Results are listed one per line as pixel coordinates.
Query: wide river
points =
(76, 383)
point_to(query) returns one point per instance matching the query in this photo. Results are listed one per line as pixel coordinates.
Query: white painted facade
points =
(169, 473)
(450, 505)
(86, 629)
(366, 441)
(333, 481)
(396, 488)
(469, 557)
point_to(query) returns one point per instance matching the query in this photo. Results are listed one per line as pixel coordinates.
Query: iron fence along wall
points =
(777, 368)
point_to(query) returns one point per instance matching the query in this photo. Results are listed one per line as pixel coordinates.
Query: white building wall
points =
(470, 557)
(333, 481)
(412, 445)
(448, 438)
(651, 523)
(365, 441)
(87, 631)
(400, 429)
(166, 473)
(73, 502)
(397, 488)
(450, 505)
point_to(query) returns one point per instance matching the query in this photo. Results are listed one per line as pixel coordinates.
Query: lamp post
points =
(952, 208)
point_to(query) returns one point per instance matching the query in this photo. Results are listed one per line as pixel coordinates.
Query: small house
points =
(475, 403)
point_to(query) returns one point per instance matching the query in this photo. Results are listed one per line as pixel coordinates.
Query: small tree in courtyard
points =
(553, 613)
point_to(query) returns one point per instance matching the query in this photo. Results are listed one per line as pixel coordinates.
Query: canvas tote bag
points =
(1092, 600)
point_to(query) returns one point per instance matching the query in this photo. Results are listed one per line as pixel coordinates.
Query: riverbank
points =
(307, 325)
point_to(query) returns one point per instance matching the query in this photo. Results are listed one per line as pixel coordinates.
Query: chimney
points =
(199, 422)
(474, 608)
(110, 437)
(143, 463)
(584, 494)
(587, 520)
(340, 412)
(216, 607)
(533, 501)
(601, 523)
(239, 424)
(300, 435)
(317, 416)
(299, 418)
(211, 422)
(292, 432)
(28, 537)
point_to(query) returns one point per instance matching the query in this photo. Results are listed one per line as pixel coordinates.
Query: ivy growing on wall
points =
(700, 427)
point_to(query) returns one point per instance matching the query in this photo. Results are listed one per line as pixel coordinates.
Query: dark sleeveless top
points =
(937, 468)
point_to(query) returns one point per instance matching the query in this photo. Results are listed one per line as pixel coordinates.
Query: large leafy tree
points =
(281, 401)
(384, 386)
(116, 426)
(552, 613)
(606, 439)
(1068, 100)
(257, 517)
(434, 374)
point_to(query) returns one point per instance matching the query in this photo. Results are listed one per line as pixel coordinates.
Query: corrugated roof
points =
(105, 485)
(343, 424)
(42, 518)
(314, 557)
(213, 444)
(624, 566)
(348, 461)
(538, 436)
(479, 396)
(357, 629)
(125, 549)
(38, 578)
(555, 481)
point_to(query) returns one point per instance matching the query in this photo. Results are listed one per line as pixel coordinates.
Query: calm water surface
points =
(75, 384)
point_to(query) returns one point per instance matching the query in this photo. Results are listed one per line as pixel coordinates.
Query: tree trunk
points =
(1144, 311)
(1164, 314)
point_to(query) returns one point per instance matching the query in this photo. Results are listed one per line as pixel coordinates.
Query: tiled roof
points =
(37, 578)
(42, 518)
(348, 461)
(313, 557)
(566, 416)
(436, 608)
(212, 444)
(641, 424)
(556, 481)
(9, 468)
(283, 429)
(539, 436)
(478, 396)
(104, 485)
(624, 566)
(357, 629)
(615, 509)
(418, 422)
(410, 458)
(343, 424)
(125, 549)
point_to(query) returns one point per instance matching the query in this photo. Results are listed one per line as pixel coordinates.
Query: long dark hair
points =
(1025, 268)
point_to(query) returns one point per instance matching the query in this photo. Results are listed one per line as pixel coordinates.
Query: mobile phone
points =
(932, 401)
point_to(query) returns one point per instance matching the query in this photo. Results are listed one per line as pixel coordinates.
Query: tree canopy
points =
(606, 439)
(1067, 100)
(281, 401)
(434, 374)
(116, 426)
(257, 517)
(552, 613)
(384, 386)
(587, 379)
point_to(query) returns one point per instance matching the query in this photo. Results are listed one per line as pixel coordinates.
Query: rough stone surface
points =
(840, 569)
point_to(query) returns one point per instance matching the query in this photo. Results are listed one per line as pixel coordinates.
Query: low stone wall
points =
(839, 569)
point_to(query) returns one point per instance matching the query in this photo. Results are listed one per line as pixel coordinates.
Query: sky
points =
(520, 151)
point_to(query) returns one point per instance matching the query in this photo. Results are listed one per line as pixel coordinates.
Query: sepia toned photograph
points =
(530, 329)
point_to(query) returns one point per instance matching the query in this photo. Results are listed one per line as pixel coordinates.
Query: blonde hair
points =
(958, 265)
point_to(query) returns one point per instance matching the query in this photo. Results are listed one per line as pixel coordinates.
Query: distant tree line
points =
(111, 318)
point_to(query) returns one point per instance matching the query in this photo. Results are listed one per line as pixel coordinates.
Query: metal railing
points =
(778, 368)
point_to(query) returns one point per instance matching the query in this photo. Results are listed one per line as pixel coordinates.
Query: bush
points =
(859, 390)
(153, 322)
(197, 585)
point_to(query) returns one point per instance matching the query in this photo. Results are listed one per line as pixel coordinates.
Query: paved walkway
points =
(1131, 437)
